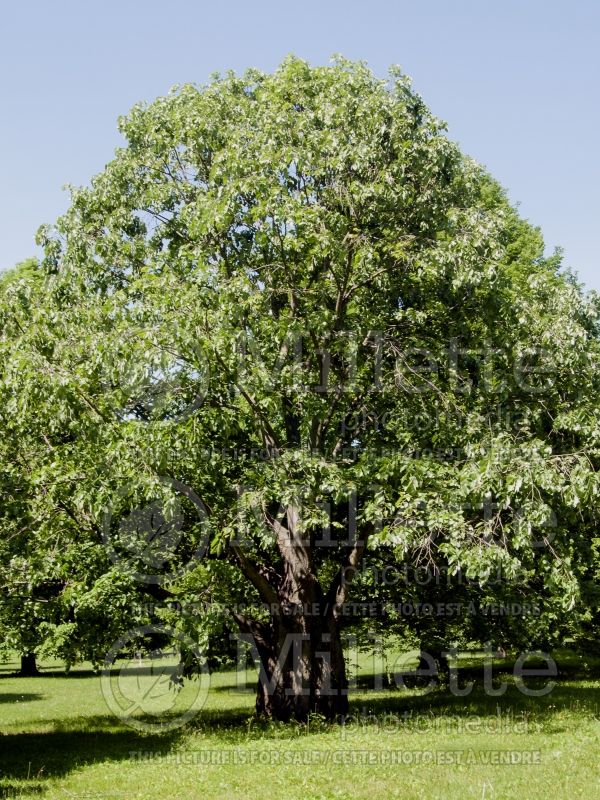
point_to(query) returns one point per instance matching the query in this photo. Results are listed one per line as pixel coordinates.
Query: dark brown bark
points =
(299, 652)
(302, 670)
(28, 666)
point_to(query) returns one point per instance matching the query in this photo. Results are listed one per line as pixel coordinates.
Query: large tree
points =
(292, 304)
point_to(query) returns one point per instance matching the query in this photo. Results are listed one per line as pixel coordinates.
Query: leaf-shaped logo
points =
(148, 692)
(149, 685)
(147, 538)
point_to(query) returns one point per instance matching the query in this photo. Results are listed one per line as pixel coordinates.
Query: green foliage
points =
(254, 238)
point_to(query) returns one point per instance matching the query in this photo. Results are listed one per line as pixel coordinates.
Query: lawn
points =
(58, 739)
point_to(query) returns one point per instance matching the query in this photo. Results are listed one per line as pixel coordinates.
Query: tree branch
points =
(267, 593)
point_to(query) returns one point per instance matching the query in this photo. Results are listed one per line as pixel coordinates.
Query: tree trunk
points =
(432, 669)
(28, 666)
(301, 670)
(299, 652)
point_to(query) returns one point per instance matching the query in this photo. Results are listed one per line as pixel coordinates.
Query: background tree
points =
(60, 595)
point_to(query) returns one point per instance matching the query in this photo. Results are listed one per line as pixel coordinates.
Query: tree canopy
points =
(295, 322)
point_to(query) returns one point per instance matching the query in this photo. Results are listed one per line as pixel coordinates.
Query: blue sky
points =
(516, 81)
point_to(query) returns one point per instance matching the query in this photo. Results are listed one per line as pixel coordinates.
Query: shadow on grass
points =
(27, 760)
(19, 790)
(20, 697)
(76, 673)
(542, 711)
(48, 673)
(419, 709)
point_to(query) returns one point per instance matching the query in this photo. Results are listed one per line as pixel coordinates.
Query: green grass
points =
(58, 739)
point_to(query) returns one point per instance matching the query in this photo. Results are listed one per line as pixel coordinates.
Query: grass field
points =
(59, 739)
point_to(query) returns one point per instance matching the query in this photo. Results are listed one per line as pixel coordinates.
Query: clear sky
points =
(516, 81)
